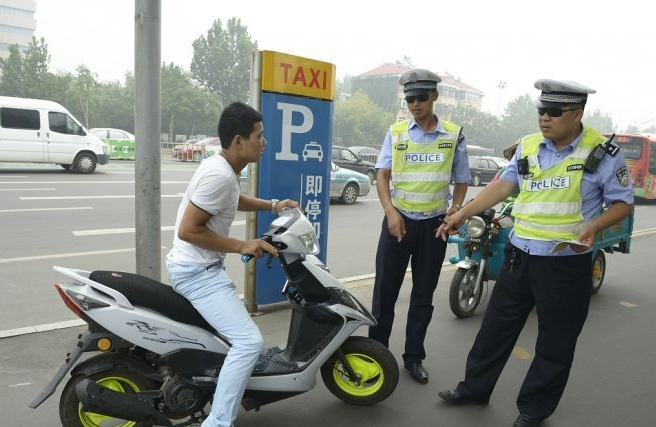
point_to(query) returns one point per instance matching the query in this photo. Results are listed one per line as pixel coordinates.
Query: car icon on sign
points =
(312, 151)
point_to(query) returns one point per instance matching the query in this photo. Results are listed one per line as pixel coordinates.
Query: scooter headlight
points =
(310, 242)
(475, 226)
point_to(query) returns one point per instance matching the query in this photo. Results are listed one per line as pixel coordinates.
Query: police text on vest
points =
(423, 157)
(557, 183)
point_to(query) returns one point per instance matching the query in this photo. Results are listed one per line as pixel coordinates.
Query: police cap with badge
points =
(558, 93)
(418, 84)
(418, 81)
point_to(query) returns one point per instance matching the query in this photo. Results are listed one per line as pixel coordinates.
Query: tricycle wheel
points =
(464, 295)
(598, 270)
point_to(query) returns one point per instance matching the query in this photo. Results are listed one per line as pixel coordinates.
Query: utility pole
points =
(147, 126)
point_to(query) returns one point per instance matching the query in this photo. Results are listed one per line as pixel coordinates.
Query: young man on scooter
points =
(564, 174)
(195, 264)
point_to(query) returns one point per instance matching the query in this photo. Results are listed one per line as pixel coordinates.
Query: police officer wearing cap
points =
(565, 174)
(418, 160)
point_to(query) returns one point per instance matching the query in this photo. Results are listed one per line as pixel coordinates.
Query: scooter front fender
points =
(467, 264)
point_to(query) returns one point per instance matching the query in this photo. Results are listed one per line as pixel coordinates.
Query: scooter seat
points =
(148, 293)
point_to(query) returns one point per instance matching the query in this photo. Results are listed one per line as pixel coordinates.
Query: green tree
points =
(114, 104)
(37, 79)
(599, 121)
(221, 61)
(382, 91)
(84, 87)
(632, 129)
(358, 121)
(344, 85)
(186, 105)
(12, 73)
(479, 128)
(519, 119)
(26, 74)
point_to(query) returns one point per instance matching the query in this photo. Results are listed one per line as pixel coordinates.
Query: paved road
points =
(612, 383)
(51, 217)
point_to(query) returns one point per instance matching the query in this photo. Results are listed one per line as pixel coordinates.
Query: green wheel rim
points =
(366, 368)
(119, 384)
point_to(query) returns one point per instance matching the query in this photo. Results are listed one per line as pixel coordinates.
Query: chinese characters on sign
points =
(314, 187)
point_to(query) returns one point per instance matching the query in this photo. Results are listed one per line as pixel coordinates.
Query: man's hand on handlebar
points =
(257, 248)
(286, 204)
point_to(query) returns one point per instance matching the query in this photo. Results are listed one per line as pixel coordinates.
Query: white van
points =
(38, 131)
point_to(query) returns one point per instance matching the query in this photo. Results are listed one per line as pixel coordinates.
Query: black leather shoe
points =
(524, 420)
(454, 397)
(417, 372)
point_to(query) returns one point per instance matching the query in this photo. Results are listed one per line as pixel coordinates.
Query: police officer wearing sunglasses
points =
(418, 160)
(564, 173)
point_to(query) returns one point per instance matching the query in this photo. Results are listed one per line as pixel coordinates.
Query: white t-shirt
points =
(214, 188)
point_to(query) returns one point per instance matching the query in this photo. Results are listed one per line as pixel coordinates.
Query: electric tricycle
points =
(481, 241)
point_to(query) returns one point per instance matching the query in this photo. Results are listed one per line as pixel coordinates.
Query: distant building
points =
(17, 24)
(453, 92)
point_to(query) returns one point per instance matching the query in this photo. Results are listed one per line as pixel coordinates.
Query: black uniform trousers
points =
(426, 255)
(560, 289)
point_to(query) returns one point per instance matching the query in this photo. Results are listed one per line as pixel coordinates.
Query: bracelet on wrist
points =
(274, 205)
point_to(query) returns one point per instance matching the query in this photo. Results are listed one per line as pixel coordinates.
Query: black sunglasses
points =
(554, 111)
(421, 98)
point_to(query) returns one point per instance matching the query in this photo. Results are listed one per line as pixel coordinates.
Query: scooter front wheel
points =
(374, 366)
(464, 295)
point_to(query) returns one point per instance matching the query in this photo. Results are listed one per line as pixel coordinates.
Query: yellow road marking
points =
(645, 232)
(627, 304)
(521, 353)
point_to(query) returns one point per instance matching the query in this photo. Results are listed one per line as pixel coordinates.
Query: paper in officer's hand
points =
(564, 244)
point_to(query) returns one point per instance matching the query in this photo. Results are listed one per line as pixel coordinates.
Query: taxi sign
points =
(294, 75)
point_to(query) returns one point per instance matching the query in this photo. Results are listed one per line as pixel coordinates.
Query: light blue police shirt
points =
(602, 186)
(459, 169)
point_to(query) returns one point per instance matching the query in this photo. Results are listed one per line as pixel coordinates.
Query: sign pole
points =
(253, 172)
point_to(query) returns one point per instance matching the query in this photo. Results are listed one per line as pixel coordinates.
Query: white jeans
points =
(213, 294)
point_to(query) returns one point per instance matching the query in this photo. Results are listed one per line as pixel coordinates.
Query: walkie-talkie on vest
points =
(592, 162)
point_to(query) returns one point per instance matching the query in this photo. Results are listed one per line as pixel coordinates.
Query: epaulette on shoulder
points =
(612, 149)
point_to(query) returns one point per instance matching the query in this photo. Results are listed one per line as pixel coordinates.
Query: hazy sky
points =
(609, 47)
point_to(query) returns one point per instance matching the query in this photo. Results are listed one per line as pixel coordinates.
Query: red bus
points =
(640, 152)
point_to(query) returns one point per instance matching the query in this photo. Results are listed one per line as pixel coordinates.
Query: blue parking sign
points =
(295, 165)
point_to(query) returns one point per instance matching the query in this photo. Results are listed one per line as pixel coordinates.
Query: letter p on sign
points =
(288, 128)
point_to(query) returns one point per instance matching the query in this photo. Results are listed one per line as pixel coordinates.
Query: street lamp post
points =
(501, 86)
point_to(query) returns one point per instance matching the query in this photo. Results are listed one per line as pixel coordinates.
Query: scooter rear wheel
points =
(374, 365)
(71, 412)
(463, 297)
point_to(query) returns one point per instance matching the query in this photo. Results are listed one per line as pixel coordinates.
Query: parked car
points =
(212, 147)
(498, 160)
(347, 185)
(192, 150)
(482, 169)
(120, 142)
(345, 158)
(370, 154)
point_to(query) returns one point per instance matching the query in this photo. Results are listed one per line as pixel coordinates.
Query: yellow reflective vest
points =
(421, 172)
(548, 206)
